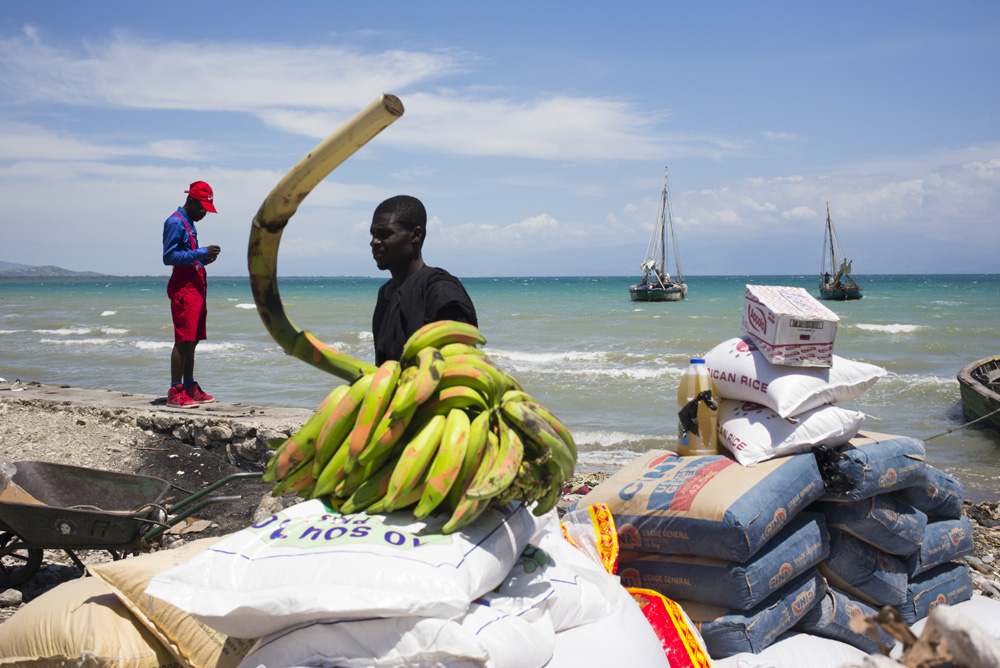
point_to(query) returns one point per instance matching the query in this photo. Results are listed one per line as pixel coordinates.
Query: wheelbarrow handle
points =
(211, 488)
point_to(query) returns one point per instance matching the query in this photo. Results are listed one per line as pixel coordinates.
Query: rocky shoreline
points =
(191, 448)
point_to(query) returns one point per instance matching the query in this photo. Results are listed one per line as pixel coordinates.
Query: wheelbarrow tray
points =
(75, 507)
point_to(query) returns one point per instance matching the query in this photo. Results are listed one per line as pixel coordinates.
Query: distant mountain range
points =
(14, 270)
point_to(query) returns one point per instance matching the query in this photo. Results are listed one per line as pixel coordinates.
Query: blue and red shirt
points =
(180, 241)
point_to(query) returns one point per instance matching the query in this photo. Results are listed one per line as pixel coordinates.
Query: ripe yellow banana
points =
(372, 408)
(447, 462)
(516, 395)
(275, 212)
(508, 461)
(440, 333)
(340, 422)
(413, 462)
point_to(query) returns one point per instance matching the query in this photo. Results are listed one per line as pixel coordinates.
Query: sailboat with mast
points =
(657, 285)
(835, 278)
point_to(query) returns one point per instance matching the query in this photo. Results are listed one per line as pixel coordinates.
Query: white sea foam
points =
(246, 306)
(66, 331)
(113, 330)
(79, 342)
(153, 345)
(10, 331)
(107, 313)
(366, 336)
(204, 346)
(892, 329)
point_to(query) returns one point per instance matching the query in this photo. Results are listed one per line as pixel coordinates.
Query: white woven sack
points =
(755, 433)
(496, 632)
(740, 371)
(578, 590)
(797, 650)
(309, 563)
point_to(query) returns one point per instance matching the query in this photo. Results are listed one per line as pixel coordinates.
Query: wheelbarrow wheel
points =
(18, 562)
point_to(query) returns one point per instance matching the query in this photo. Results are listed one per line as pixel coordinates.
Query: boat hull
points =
(980, 397)
(840, 294)
(647, 293)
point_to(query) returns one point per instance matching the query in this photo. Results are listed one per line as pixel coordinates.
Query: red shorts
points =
(187, 289)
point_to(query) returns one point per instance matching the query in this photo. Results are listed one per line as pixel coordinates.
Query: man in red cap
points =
(187, 290)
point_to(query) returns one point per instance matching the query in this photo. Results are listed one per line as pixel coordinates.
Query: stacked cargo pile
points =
(873, 526)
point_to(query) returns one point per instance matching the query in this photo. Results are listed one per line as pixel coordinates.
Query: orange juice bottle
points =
(698, 420)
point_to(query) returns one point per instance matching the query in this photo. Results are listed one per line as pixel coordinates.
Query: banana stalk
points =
(279, 206)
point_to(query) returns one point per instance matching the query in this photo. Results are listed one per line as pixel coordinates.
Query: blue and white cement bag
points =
(708, 505)
(948, 583)
(944, 540)
(728, 632)
(863, 571)
(739, 586)
(888, 523)
(310, 563)
(831, 618)
(880, 463)
(939, 496)
(740, 371)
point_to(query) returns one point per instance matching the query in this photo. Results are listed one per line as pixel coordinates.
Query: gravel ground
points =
(191, 448)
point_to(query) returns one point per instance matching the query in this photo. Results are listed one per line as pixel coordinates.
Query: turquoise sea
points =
(607, 366)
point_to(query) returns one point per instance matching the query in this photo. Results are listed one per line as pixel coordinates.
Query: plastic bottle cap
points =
(697, 360)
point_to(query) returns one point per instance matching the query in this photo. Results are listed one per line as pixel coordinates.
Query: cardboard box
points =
(789, 326)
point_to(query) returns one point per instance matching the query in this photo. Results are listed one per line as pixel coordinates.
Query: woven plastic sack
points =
(739, 586)
(983, 610)
(940, 495)
(578, 590)
(495, 632)
(193, 643)
(880, 463)
(754, 433)
(798, 650)
(831, 618)
(308, 563)
(682, 643)
(706, 505)
(624, 638)
(945, 584)
(944, 541)
(740, 371)
(884, 521)
(79, 623)
(728, 632)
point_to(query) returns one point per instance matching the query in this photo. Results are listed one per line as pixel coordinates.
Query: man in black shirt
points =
(416, 294)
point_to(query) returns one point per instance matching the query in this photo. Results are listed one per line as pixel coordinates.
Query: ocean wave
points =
(217, 347)
(107, 313)
(892, 329)
(153, 345)
(246, 306)
(631, 373)
(11, 331)
(79, 342)
(65, 331)
(113, 330)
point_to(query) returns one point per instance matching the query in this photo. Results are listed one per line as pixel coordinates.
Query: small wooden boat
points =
(979, 383)
(657, 285)
(835, 275)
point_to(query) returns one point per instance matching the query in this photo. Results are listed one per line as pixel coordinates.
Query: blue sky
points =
(535, 133)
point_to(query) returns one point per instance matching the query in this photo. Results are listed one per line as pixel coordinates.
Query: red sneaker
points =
(197, 395)
(178, 398)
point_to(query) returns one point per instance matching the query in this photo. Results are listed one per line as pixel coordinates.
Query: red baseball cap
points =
(202, 192)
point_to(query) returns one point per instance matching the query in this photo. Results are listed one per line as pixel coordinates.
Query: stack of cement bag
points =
(729, 543)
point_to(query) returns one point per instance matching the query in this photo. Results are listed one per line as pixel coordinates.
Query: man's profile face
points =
(392, 244)
(198, 211)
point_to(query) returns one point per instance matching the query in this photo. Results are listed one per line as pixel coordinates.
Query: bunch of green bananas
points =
(441, 430)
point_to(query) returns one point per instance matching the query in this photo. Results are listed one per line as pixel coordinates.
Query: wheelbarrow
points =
(50, 506)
